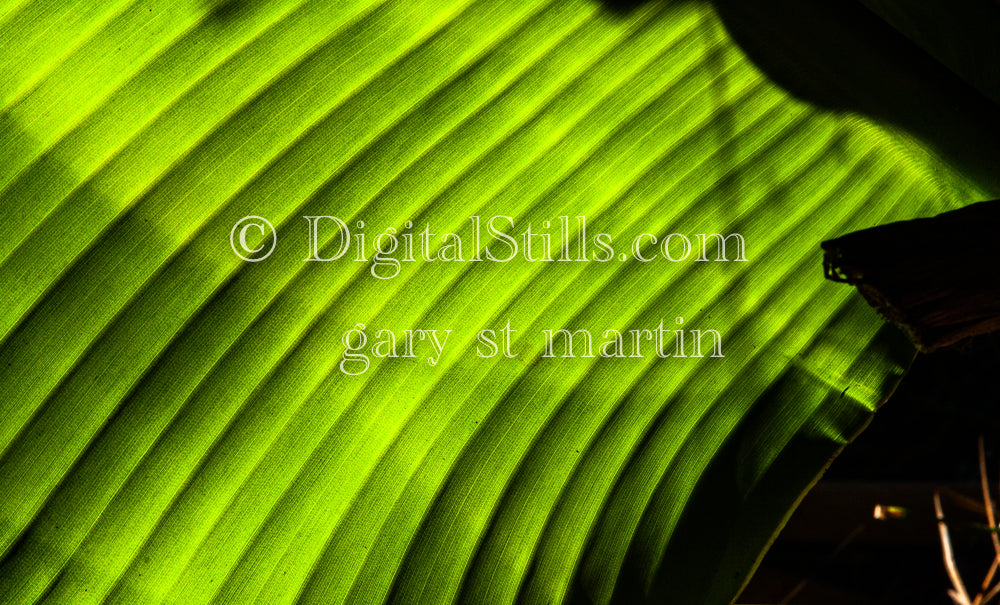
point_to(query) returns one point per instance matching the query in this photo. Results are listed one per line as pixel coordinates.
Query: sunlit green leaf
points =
(177, 425)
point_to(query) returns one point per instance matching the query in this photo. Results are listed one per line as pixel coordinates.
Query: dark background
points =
(924, 438)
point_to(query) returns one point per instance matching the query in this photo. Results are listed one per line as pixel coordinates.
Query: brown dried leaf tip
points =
(938, 278)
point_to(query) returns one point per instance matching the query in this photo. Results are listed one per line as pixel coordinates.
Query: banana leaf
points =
(189, 415)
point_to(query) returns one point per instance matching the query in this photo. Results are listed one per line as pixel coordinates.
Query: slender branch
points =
(984, 482)
(987, 500)
(959, 594)
(985, 586)
(991, 594)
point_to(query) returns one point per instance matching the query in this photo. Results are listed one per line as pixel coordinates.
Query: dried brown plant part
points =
(985, 593)
(984, 482)
(957, 593)
(937, 278)
(992, 593)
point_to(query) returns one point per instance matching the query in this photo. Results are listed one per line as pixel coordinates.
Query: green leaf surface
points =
(176, 424)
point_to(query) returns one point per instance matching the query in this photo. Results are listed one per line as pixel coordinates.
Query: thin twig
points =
(987, 500)
(984, 482)
(980, 599)
(991, 594)
(959, 594)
